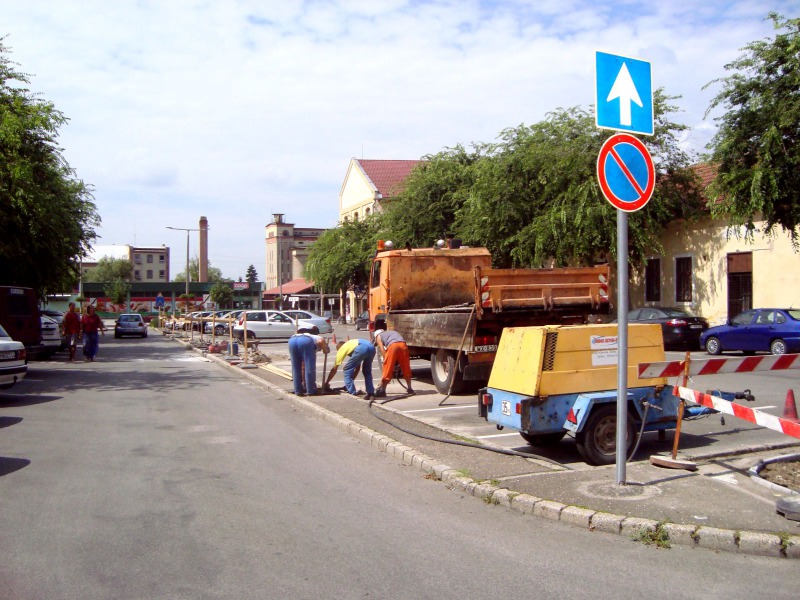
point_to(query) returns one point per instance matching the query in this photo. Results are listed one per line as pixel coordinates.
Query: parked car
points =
(52, 334)
(775, 330)
(266, 324)
(130, 324)
(323, 324)
(219, 324)
(13, 360)
(679, 327)
(362, 321)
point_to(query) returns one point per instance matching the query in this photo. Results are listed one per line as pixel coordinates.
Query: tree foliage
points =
(756, 145)
(48, 215)
(251, 276)
(214, 274)
(221, 294)
(426, 208)
(340, 258)
(110, 269)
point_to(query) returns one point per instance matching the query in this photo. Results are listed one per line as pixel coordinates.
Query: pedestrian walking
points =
(303, 348)
(359, 354)
(91, 325)
(72, 329)
(394, 350)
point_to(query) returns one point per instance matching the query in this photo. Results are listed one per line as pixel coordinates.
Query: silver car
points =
(130, 324)
(266, 324)
(323, 324)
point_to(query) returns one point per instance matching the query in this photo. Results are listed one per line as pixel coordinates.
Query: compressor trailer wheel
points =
(597, 443)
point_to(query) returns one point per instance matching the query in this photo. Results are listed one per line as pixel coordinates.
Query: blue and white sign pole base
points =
(622, 345)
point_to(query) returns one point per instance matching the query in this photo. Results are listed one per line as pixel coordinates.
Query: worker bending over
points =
(394, 351)
(359, 354)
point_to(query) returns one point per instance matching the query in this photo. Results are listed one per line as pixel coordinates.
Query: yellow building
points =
(370, 183)
(709, 269)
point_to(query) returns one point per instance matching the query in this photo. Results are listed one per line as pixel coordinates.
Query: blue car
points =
(775, 330)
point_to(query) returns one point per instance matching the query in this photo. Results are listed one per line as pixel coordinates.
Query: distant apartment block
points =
(150, 265)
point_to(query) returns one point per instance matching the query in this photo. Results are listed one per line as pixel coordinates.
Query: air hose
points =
(505, 451)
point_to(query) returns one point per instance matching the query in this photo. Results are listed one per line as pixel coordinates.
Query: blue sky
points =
(237, 109)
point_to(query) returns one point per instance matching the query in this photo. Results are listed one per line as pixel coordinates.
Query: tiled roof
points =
(387, 175)
(295, 286)
(706, 172)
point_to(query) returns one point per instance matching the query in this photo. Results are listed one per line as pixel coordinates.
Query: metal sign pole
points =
(622, 344)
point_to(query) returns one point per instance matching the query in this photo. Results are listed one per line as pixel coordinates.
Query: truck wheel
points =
(445, 373)
(543, 439)
(597, 443)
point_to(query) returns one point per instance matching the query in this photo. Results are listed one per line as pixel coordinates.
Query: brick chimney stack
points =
(203, 249)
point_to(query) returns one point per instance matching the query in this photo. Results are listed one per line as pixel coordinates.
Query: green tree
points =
(426, 208)
(340, 258)
(536, 196)
(251, 276)
(756, 145)
(222, 294)
(214, 274)
(117, 290)
(110, 269)
(48, 215)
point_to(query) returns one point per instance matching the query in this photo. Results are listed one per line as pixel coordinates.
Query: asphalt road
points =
(153, 474)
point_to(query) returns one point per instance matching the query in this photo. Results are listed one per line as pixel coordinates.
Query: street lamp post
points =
(187, 256)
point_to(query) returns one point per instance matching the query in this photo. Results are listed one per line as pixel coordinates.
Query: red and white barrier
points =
(719, 366)
(758, 417)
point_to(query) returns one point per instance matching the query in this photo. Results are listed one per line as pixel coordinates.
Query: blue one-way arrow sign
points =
(624, 94)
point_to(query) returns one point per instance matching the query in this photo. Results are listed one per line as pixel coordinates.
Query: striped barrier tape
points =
(719, 366)
(753, 415)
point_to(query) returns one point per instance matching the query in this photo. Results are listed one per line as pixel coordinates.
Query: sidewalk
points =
(719, 506)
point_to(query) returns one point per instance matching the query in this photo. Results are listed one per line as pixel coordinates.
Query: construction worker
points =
(303, 348)
(360, 354)
(394, 350)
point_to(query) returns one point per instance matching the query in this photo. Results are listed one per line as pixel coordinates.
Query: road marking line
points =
(421, 410)
(496, 435)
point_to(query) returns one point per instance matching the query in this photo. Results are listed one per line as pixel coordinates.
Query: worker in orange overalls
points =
(394, 351)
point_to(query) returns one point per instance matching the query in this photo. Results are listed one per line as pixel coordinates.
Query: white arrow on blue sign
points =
(624, 94)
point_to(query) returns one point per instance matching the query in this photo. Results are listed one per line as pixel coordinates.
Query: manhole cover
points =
(613, 491)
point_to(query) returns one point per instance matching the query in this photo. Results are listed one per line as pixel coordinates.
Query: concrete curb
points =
(644, 530)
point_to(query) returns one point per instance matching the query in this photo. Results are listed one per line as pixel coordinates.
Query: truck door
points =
(378, 288)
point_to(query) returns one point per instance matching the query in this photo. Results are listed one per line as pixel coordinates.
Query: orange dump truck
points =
(451, 307)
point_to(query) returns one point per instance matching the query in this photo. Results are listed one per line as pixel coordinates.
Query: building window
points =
(137, 258)
(652, 280)
(161, 274)
(161, 258)
(683, 279)
(136, 275)
(150, 259)
(149, 273)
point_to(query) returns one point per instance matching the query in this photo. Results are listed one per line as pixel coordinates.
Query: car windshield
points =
(3, 332)
(678, 312)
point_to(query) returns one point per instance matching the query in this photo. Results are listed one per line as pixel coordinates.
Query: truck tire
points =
(445, 373)
(543, 439)
(597, 443)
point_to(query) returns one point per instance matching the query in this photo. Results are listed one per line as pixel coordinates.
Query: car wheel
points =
(117, 336)
(219, 330)
(713, 346)
(778, 347)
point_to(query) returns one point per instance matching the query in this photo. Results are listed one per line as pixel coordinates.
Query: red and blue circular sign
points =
(626, 172)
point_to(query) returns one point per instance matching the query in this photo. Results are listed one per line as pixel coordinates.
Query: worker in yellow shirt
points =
(359, 354)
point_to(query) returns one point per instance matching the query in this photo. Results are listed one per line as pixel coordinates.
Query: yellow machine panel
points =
(549, 360)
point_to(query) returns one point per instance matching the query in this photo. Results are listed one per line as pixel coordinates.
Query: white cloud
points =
(235, 110)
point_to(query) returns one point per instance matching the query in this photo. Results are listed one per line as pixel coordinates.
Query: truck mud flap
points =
(477, 372)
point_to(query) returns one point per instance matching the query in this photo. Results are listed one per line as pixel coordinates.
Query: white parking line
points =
(459, 407)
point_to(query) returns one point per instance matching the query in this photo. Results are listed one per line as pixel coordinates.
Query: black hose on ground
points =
(505, 451)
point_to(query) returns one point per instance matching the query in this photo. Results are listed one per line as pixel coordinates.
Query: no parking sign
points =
(626, 173)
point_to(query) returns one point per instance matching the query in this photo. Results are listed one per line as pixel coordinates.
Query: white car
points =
(265, 324)
(13, 360)
(323, 324)
(51, 336)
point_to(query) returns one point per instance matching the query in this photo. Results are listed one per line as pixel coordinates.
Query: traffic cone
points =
(790, 408)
